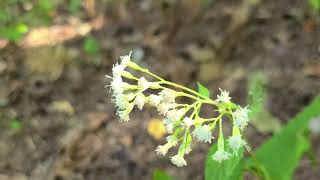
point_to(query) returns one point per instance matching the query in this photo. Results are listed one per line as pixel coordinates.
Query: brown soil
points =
(220, 46)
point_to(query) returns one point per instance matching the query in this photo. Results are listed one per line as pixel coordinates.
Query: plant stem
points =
(163, 81)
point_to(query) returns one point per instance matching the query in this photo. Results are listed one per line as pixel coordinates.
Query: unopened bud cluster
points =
(182, 121)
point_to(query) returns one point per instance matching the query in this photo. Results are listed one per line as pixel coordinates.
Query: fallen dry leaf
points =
(59, 33)
(63, 106)
(156, 128)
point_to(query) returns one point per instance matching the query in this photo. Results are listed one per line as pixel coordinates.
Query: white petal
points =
(224, 96)
(221, 155)
(178, 160)
(203, 133)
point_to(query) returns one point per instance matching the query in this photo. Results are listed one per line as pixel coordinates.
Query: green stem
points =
(206, 100)
(185, 88)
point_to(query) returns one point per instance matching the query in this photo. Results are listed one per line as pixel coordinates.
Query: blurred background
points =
(56, 118)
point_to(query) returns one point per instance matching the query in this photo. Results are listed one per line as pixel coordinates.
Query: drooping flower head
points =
(224, 96)
(235, 143)
(171, 142)
(221, 155)
(144, 84)
(178, 160)
(124, 60)
(188, 122)
(203, 133)
(140, 100)
(167, 96)
(241, 117)
(154, 100)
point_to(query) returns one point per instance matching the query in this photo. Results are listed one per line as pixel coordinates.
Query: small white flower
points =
(124, 113)
(169, 125)
(125, 59)
(167, 96)
(235, 143)
(154, 100)
(180, 113)
(203, 133)
(164, 108)
(117, 85)
(172, 139)
(143, 83)
(172, 114)
(178, 160)
(121, 101)
(224, 96)
(139, 101)
(240, 117)
(175, 114)
(163, 149)
(117, 70)
(221, 155)
(188, 122)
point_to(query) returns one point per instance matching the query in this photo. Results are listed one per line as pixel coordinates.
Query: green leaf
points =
(15, 124)
(257, 93)
(315, 5)
(259, 116)
(4, 16)
(203, 90)
(91, 45)
(75, 6)
(280, 155)
(14, 32)
(265, 122)
(46, 5)
(160, 175)
(206, 3)
(231, 169)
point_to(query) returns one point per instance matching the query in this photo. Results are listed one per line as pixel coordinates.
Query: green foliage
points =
(230, 169)
(315, 5)
(15, 124)
(161, 175)
(4, 16)
(280, 155)
(257, 93)
(14, 23)
(91, 45)
(260, 117)
(75, 6)
(42, 12)
(14, 32)
(206, 3)
(203, 90)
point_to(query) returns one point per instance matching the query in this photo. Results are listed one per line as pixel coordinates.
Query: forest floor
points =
(56, 118)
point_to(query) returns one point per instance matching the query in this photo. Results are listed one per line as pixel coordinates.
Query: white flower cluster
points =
(182, 121)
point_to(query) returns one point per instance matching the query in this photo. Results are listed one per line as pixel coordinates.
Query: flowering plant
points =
(182, 121)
